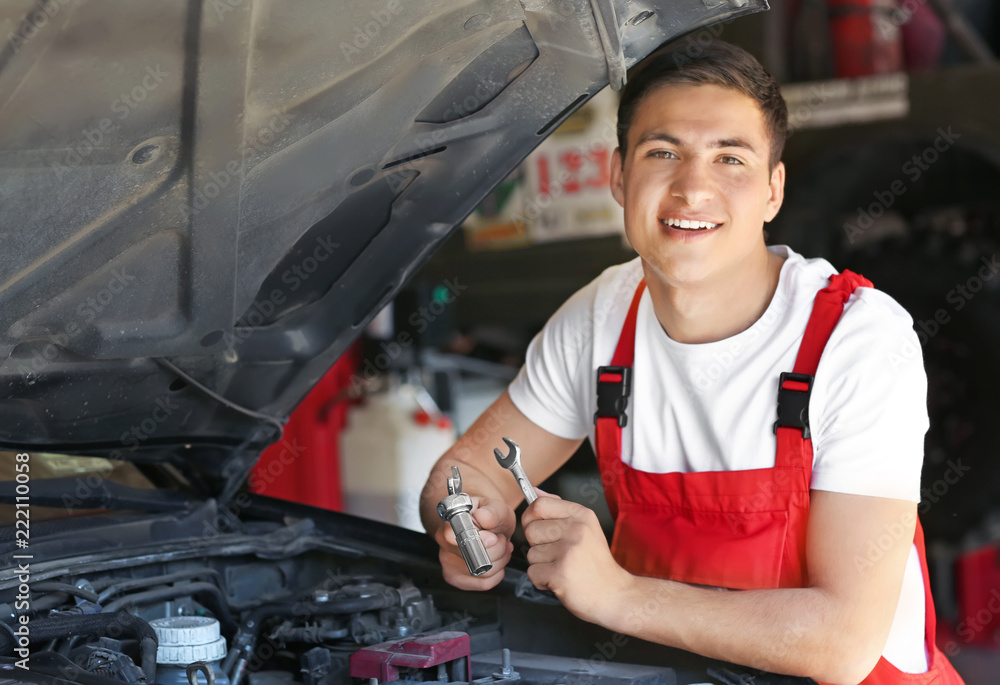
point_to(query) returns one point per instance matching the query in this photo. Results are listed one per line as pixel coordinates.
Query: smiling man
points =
(675, 366)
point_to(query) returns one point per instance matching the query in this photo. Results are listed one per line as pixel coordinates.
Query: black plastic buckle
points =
(793, 403)
(612, 395)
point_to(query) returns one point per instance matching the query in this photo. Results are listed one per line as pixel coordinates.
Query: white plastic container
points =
(184, 640)
(386, 453)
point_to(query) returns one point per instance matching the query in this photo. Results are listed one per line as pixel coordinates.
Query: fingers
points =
(547, 507)
(493, 515)
(542, 493)
(549, 522)
(445, 537)
(498, 548)
(542, 531)
(456, 572)
(540, 575)
(544, 553)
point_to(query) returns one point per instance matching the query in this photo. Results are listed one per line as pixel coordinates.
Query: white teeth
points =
(684, 223)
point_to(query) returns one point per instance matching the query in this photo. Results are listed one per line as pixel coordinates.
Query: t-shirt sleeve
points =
(870, 395)
(549, 387)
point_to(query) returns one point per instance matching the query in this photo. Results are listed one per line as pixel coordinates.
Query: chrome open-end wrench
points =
(512, 462)
(455, 510)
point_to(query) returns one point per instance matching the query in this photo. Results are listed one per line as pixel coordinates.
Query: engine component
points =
(185, 641)
(543, 668)
(372, 612)
(116, 588)
(506, 672)
(106, 659)
(325, 630)
(43, 630)
(274, 678)
(82, 607)
(385, 660)
(196, 667)
(414, 614)
(316, 666)
(321, 666)
(207, 593)
(74, 590)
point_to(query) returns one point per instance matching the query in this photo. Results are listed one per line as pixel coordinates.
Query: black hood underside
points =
(204, 202)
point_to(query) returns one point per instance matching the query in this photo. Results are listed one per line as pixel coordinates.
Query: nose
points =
(692, 182)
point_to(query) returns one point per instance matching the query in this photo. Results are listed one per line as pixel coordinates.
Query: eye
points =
(729, 159)
(663, 154)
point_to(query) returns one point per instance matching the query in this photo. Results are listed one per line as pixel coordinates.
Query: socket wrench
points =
(455, 510)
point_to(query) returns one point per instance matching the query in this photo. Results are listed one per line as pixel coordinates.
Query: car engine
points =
(280, 599)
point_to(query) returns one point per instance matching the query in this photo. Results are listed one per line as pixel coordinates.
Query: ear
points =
(617, 177)
(777, 190)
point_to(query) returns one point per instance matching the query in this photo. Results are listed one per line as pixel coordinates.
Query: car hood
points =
(204, 203)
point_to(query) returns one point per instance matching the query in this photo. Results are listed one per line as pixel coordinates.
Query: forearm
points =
(802, 632)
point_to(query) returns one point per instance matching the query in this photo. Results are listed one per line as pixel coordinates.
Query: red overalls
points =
(734, 529)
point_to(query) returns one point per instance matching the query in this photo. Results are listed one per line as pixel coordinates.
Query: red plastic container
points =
(977, 577)
(865, 37)
(304, 466)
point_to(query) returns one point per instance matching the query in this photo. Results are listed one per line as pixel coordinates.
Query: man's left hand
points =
(570, 556)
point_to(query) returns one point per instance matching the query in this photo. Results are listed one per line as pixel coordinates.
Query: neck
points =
(708, 312)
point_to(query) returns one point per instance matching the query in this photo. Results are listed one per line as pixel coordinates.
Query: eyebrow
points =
(721, 143)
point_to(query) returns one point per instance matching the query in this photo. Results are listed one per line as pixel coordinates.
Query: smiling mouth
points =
(686, 225)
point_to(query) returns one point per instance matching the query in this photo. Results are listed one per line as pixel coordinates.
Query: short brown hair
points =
(715, 62)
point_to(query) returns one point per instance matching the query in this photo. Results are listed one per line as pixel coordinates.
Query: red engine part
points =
(384, 660)
(977, 578)
(865, 37)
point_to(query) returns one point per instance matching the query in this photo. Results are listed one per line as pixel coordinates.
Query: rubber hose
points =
(58, 666)
(43, 630)
(217, 603)
(251, 627)
(52, 586)
(47, 601)
(134, 583)
(352, 605)
(147, 652)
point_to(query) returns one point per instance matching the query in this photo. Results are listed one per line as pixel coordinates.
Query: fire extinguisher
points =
(865, 36)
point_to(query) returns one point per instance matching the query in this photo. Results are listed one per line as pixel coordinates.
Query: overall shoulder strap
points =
(827, 310)
(614, 387)
(792, 427)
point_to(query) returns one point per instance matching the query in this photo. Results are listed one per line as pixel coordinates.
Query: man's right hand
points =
(496, 522)
(494, 493)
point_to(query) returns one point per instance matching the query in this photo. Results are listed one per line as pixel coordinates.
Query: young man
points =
(814, 519)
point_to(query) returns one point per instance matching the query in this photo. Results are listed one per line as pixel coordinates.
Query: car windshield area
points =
(82, 476)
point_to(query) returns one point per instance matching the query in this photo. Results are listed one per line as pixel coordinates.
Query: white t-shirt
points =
(711, 406)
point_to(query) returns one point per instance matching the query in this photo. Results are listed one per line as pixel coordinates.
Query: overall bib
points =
(735, 529)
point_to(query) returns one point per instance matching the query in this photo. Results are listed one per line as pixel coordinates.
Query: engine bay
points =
(206, 597)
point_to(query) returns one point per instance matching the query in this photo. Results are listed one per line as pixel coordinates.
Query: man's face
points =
(697, 153)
